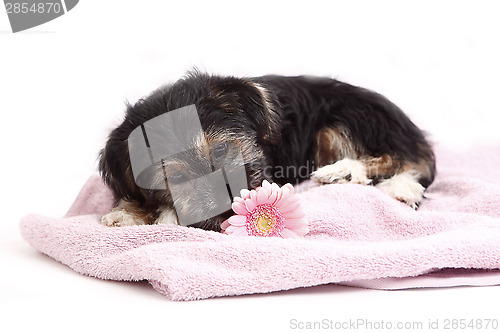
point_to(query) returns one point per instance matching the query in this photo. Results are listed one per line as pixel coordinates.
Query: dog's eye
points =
(177, 178)
(220, 150)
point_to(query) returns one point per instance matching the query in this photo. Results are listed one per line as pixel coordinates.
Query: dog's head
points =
(237, 116)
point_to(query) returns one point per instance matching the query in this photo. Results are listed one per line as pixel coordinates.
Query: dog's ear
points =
(116, 170)
(270, 107)
(262, 107)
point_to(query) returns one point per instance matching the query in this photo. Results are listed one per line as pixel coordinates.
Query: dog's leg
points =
(129, 213)
(398, 179)
(404, 180)
(167, 216)
(404, 187)
(338, 158)
(343, 171)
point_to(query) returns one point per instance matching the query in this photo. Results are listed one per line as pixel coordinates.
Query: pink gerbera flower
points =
(267, 211)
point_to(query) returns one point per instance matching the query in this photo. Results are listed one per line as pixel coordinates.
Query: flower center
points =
(265, 220)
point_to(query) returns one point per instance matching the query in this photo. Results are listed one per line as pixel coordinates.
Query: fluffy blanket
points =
(359, 237)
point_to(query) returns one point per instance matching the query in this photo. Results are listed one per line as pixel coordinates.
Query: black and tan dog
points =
(340, 133)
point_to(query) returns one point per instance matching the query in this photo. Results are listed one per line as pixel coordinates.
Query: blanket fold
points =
(358, 237)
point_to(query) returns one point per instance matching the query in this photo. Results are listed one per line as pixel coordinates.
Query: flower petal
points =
(265, 184)
(239, 208)
(295, 223)
(290, 199)
(262, 196)
(273, 196)
(275, 187)
(287, 233)
(285, 192)
(289, 186)
(238, 199)
(224, 225)
(290, 210)
(237, 231)
(250, 204)
(285, 200)
(278, 197)
(245, 193)
(295, 214)
(253, 195)
(302, 231)
(289, 205)
(237, 220)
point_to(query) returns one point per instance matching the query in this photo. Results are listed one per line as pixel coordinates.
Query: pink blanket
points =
(358, 237)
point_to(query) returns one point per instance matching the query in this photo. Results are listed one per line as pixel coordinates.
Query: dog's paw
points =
(167, 216)
(341, 172)
(120, 218)
(405, 188)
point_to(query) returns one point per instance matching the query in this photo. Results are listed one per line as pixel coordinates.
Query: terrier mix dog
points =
(344, 133)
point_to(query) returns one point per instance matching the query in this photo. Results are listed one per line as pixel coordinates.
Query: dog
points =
(339, 132)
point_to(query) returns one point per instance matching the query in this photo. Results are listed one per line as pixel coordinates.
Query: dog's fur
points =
(339, 132)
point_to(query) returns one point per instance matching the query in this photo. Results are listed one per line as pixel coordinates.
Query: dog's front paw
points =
(167, 216)
(341, 172)
(120, 218)
(405, 188)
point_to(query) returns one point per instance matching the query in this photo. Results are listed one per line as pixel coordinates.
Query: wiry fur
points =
(280, 123)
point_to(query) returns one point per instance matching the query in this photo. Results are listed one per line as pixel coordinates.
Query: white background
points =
(63, 87)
